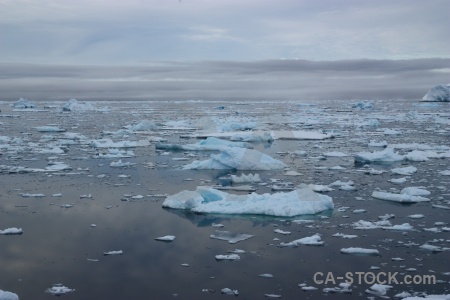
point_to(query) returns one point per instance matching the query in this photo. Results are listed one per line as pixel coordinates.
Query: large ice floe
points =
(237, 159)
(404, 197)
(303, 201)
(440, 93)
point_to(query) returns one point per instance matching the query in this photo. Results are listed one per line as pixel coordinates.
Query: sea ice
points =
(119, 164)
(402, 198)
(363, 105)
(302, 201)
(238, 159)
(108, 143)
(5, 295)
(357, 250)
(313, 240)
(11, 231)
(401, 227)
(385, 156)
(415, 191)
(379, 290)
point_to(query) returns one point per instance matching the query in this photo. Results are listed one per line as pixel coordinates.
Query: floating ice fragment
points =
(415, 191)
(5, 295)
(431, 248)
(302, 201)
(361, 224)
(404, 171)
(343, 288)
(282, 232)
(232, 238)
(228, 257)
(238, 159)
(309, 288)
(402, 227)
(357, 250)
(335, 154)
(210, 144)
(230, 292)
(49, 129)
(272, 295)
(23, 103)
(74, 105)
(166, 238)
(119, 163)
(416, 216)
(445, 172)
(245, 178)
(27, 195)
(292, 173)
(108, 143)
(345, 236)
(402, 198)
(379, 290)
(385, 156)
(58, 290)
(398, 180)
(314, 240)
(11, 231)
(266, 275)
(118, 252)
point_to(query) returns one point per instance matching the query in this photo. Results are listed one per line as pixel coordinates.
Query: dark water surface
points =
(59, 245)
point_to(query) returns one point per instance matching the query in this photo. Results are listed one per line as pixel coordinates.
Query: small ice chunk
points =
(245, 178)
(405, 171)
(228, 257)
(416, 216)
(115, 252)
(398, 180)
(265, 275)
(272, 295)
(402, 227)
(345, 236)
(385, 156)
(415, 191)
(49, 129)
(230, 292)
(27, 195)
(335, 154)
(59, 289)
(314, 240)
(232, 238)
(11, 231)
(166, 238)
(119, 163)
(358, 250)
(282, 231)
(431, 248)
(309, 288)
(379, 289)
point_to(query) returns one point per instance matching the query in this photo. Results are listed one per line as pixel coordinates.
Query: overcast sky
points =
(173, 48)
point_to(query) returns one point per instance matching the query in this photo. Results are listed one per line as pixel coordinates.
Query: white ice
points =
(302, 201)
(228, 257)
(108, 143)
(404, 171)
(166, 238)
(238, 159)
(385, 156)
(11, 231)
(59, 289)
(75, 105)
(245, 178)
(439, 93)
(209, 144)
(402, 198)
(314, 240)
(23, 103)
(357, 250)
(115, 252)
(5, 295)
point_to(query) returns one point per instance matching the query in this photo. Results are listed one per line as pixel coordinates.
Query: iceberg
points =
(23, 103)
(5, 295)
(237, 159)
(75, 105)
(303, 201)
(439, 93)
(210, 144)
(385, 156)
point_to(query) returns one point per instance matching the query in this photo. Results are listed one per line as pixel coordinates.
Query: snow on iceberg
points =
(402, 198)
(75, 105)
(237, 159)
(385, 156)
(23, 103)
(303, 201)
(440, 93)
(5, 295)
(209, 144)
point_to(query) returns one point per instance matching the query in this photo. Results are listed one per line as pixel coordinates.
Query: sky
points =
(184, 49)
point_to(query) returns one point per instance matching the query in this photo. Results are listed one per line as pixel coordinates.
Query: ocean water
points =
(59, 245)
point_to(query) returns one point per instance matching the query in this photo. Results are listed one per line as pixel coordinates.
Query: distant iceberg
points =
(23, 103)
(237, 159)
(75, 105)
(303, 201)
(438, 93)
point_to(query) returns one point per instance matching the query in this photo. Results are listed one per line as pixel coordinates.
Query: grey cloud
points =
(222, 80)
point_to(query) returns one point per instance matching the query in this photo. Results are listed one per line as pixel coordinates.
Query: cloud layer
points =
(226, 80)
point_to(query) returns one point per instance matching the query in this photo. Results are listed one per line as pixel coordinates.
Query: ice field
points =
(208, 199)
